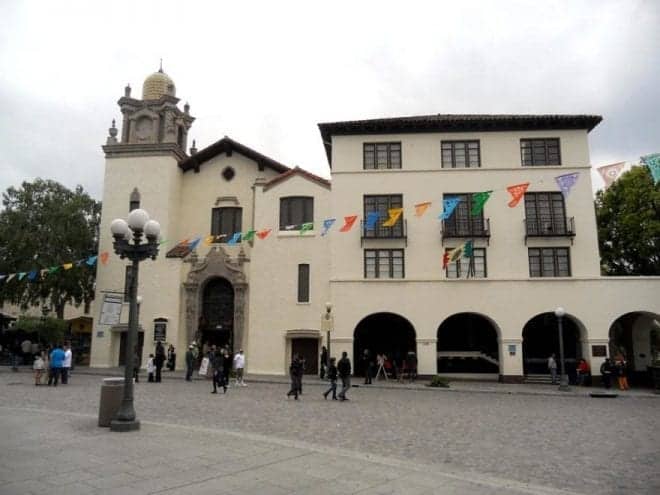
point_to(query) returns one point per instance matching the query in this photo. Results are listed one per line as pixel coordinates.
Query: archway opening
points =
(635, 337)
(541, 339)
(467, 343)
(383, 333)
(216, 325)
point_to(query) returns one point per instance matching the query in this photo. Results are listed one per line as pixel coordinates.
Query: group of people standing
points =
(382, 366)
(334, 370)
(55, 364)
(217, 364)
(608, 369)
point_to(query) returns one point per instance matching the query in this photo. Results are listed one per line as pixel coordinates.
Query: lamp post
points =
(563, 377)
(326, 324)
(123, 232)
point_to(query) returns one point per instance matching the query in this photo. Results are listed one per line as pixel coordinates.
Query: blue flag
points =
(91, 261)
(372, 219)
(234, 239)
(448, 207)
(653, 163)
(32, 276)
(327, 224)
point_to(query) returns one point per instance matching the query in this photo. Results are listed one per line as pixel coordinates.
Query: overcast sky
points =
(265, 73)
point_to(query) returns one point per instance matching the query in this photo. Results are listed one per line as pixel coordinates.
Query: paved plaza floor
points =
(384, 440)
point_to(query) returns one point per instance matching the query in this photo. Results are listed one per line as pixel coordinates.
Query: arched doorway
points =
(541, 339)
(636, 337)
(386, 333)
(216, 325)
(468, 343)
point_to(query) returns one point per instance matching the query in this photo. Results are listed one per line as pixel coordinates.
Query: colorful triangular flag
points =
(105, 256)
(234, 239)
(348, 223)
(21, 275)
(394, 214)
(610, 173)
(249, 236)
(67, 266)
(372, 219)
(262, 234)
(468, 249)
(32, 276)
(517, 192)
(305, 227)
(194, 243)
(327, 224)
(208, 240)
(91, 261)
(54, 269)
(653, 163)
(421, 208)
(448, 207)
(10, 276)
(478, 202)
(566, 182)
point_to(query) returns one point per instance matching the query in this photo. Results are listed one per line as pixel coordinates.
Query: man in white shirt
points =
(66, 364)
(239, 366)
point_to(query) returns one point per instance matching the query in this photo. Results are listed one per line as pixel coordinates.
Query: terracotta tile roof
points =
(297, 171)
(454, 123)
(228, 146)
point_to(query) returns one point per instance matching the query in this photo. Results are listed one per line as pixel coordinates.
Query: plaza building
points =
(487, 314)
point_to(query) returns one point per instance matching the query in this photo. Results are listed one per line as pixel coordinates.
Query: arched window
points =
(134, 201)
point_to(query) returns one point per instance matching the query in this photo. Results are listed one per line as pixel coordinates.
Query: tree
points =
(628, 217)
(43, 225)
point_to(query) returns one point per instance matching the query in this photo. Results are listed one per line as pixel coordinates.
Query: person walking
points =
(56, 361)
(552, 367)
(239, 367)
(332, 376)
(606, 373)
(218, 372)
(622, 373)
(344, 370)
(582, 371)
(295, 372)
(38, 367)
(159, 360)
(226, 366)
(150, 368)
(324, 361)
(190, 359)
(66, 364)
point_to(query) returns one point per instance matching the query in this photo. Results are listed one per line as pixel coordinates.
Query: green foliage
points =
(439, 381)
(44, 224)
(628, 217)
(50, 330)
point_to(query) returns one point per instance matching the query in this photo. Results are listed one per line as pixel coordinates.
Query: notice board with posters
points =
(160, 330)
(111, 308)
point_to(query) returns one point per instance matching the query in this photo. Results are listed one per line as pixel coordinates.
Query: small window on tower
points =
(228, 173)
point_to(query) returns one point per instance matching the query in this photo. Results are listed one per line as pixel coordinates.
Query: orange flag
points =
(517, 192)
(349, 221)
(262, 234)
(104, 257)
(421, 208)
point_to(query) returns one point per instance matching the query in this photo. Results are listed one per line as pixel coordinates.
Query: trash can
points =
(112, 392)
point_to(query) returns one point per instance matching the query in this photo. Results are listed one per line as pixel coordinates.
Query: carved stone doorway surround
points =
(217, 264)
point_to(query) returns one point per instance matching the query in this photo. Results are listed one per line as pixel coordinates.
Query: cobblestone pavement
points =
(575, 443)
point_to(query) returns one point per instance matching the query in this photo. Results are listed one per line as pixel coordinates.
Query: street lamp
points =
(138, 225)
(563, 377)
(326, 324)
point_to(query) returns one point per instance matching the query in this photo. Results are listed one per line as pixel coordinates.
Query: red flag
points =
(262, 234)
(517, 192)
(349, 221)
(104, 257)
(445, 259)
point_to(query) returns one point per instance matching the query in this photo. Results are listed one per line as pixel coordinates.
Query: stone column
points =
(427, 356)
(511, 361)
(240, 310)
(192, 309)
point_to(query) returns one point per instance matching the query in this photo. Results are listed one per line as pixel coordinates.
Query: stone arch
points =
(636, 336)
(469, 342)
(216, 264)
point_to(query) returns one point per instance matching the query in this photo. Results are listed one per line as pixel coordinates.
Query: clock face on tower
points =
(143, 128)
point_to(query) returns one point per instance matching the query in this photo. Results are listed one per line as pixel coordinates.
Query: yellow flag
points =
(421, 208)
(208, 240)
(67, 266)
(394, 213)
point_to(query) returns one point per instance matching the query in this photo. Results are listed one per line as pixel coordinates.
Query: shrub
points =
(439, 381)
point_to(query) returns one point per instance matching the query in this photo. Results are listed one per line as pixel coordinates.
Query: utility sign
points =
(111, 309)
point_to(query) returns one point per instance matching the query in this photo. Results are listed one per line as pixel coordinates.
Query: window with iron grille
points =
(296, 210)
(461, 154)
(226, 221)
(462, 223)
(545, 214)
(381, 156)
(535, 152)
(468, 267)
(383, 263)
(382, 204)
(549, 262)
(303, 283)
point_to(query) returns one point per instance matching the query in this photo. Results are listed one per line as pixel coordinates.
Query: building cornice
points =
(153, 149)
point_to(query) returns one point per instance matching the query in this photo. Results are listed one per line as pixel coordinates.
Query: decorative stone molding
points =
(226, 199)
(216, 264)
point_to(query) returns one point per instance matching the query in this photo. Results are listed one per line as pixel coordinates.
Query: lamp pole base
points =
(563, 383)
(119, 425)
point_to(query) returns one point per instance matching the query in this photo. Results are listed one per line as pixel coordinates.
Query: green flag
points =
(478, 201)
(305, 227)
(249, 235)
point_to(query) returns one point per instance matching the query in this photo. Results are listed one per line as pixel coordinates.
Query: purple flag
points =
(566, 182)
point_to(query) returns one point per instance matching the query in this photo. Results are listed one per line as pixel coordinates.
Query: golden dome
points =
(156, 85)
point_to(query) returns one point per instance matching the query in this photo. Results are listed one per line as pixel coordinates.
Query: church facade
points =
(485, 310)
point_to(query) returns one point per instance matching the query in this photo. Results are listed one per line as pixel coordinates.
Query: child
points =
(151, 368)
(38, 367)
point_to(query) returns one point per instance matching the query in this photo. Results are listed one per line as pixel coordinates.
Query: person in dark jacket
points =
(171, 358)
(217, 361)
(324, 361)
(332, 376)
(136, 365)
(159, 360)
(190, 359)
(344, 370)
(368, 366)
(296, 373)
(227, 363)
(606, 373)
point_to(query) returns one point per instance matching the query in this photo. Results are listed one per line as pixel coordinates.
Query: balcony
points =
(550, 227)
(476, 227)
(398, 232)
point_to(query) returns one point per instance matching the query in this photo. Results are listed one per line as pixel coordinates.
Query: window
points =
(128, 277)
(226, 221)
(296, 210)
(545, 214)
(382, 204)
(462, 223)
(303, 283)
(134, 200)
(537, 152)
(381, 156)
(468, 267)
(549, 262)
(461, 154)
(383, 263)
